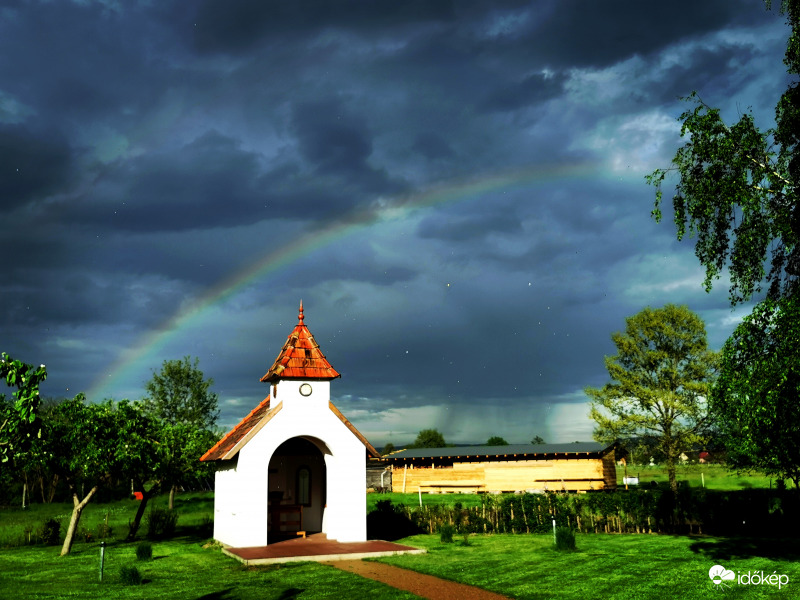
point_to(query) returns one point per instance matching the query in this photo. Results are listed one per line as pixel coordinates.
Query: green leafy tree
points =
(496, 440)
(661, 378)
(738, 191)
(537, 439)
(756, 396)
(19, 420)
(180, 394)
(93, 445)
(429, 438)
(170, 453)
(388, 448)
(180, 397)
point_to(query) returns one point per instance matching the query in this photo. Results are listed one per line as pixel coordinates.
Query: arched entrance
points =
(297, 487)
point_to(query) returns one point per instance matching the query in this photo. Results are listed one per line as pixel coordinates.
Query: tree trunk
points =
(137, 520)
(673, 483)
(172, 498)
(24, 491)
(52, 491)
(78, 506)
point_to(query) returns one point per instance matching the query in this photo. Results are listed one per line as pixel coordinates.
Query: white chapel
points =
(295, 465)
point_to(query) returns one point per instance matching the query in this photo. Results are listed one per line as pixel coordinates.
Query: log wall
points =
(579, 474)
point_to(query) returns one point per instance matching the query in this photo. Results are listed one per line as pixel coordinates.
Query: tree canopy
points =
(496, 440)
(738, 189)
(180, 394)
(19, 418)
(661, 378)
(756, 396)
(429, 438)
(537, 439)
(184, 408)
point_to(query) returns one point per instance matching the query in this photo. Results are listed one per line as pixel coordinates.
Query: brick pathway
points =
(425, 586)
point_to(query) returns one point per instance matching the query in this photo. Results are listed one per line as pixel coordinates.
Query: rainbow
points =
(146, 349)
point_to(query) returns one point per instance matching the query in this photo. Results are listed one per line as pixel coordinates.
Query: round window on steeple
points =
(305, 389)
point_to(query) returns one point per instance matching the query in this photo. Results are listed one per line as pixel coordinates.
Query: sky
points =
(455, 190)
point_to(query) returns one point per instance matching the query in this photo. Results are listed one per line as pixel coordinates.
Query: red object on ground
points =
(138, 495)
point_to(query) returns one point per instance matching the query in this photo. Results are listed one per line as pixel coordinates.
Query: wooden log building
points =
(576, 467)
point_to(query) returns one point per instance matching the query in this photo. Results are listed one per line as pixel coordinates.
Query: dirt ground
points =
(422, 585)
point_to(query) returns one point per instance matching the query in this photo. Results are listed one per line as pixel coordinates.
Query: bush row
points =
(653, 510)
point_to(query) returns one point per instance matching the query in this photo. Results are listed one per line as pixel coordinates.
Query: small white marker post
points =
(703, 479)
(102, 558)
(554, 532)
(419, 489)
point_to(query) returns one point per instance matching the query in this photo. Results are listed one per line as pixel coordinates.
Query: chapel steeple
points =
(300, 357)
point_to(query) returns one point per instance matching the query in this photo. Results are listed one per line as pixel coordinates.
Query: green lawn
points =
(180, 570)
(521, 566)
(606, 566)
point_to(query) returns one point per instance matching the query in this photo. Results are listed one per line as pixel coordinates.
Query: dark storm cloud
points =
(334, 141)
(171, 150)
(432, 146)
(236, 26)
(469, 227)
(32, 165)
(531, 90)
(582, 34)
(213, 182)
(84, 60)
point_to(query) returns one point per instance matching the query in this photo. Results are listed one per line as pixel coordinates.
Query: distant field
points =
(715, 477)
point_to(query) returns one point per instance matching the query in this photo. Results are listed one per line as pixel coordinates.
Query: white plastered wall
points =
(241, 499)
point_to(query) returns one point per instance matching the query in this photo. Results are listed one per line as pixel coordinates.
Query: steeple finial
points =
(300, 316)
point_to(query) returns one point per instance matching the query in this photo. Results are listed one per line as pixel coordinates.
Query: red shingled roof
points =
(300, 357)
(239, 435)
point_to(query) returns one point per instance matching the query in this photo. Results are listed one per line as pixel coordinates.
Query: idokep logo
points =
(719, 576)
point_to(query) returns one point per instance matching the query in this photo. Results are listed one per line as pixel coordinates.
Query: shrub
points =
(446, 534)
(465, 541)
(49, 532)
(565, 538)
(130, 576)
(161, 524)
(207, 526)
(104, 531)
(144, 551)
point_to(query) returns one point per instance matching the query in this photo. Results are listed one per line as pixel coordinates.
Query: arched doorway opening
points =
(297, 488)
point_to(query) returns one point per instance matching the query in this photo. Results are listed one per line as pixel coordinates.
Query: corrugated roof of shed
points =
(509, 450)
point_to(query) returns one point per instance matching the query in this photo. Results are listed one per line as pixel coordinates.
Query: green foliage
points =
(180, 395)
(496, 440)
(739, 191)
(756, 396)
(19, 420)
(565, 539)
(537, 439)
(144, 551)
(429, 438)
(161, 524)
(733, 182)
(661, 377)
(388, 448)
(104, 531)
(49, 532)
(130, 575)
(446, 533)
(638, 510)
